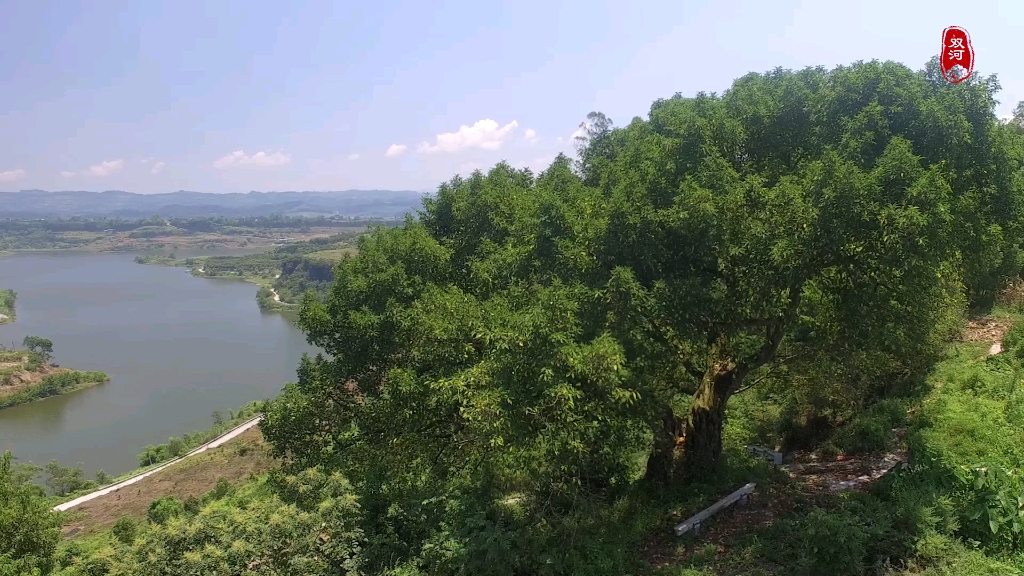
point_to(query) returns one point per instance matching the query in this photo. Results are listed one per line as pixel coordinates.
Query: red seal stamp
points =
(957, 56)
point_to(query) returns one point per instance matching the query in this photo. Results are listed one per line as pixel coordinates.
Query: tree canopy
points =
(527, 342)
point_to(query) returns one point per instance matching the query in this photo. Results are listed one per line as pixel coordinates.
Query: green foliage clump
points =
(125, 530)
(40, 346)
(870, 430)
(64, 480)
(311, 530)
(7, 298)
(29, 530)
(827, 542)
(163, 509)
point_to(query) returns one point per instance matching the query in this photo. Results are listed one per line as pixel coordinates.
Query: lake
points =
(176, 348)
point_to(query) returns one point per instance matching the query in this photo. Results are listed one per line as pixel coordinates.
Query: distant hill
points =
(182, 204)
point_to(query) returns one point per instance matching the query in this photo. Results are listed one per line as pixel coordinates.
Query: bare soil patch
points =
(986, 329)
(19, 378)
(239, 459)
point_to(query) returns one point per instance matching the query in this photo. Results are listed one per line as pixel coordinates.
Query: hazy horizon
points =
(211, 192)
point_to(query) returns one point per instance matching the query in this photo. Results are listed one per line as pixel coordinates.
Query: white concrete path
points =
(218, 441)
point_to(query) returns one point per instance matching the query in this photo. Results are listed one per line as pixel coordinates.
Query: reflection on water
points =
(176, 348)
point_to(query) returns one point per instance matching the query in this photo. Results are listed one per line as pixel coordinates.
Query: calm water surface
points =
(176, 349)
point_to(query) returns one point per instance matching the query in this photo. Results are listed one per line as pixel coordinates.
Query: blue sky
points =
(236, 96)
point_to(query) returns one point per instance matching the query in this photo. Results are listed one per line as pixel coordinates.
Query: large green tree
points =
(524, 342)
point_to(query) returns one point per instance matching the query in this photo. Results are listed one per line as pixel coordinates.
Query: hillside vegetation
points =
(541, 374)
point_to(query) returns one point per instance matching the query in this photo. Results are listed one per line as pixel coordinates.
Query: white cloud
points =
(99, 170)
(485, 134)
(580, 132)
(559, 139)
(146, 160)
(157, 168)
(105, 168)
(353, 156)
(395, 150)
(262, 159)
(12, 175)
(530, 134)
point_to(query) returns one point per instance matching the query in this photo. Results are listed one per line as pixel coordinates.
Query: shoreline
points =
(38, 392)
(267, 297)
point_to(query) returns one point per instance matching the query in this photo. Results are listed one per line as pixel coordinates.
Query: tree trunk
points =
(703, 435)
(661, 461)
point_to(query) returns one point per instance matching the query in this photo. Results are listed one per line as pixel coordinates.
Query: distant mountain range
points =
(182, 204)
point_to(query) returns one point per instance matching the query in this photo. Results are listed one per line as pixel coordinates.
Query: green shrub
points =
(830, 542)
(163, 509)
(1014, 337)
(222, 489)
(871, 430)
(97, 565)
(175, 447)
(192, 505)
(125, 530)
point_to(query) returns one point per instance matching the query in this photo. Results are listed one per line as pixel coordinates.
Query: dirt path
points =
(226, 437)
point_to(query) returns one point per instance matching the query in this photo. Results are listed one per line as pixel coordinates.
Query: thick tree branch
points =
(774, 333)
(687, 363)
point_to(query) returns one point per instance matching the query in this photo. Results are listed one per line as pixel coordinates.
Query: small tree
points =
(218, 417)
(41, 346)
(102, 478)
(64, 480)
(175, 447)
(150, 455)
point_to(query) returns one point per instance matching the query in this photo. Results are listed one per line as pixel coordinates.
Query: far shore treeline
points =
(540, 374)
